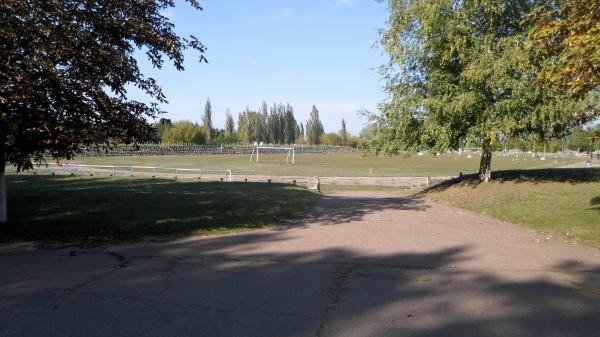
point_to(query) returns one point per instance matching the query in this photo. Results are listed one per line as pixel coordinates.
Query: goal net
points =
(260, 152)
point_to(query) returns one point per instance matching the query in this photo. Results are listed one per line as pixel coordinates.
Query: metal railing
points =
(77, 169)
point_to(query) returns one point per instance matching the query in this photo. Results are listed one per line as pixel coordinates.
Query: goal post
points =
(291, 152)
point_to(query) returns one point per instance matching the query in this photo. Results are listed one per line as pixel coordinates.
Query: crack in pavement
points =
(203, 306)
(367, 264)
(296, 262)
(122, 263)
(166, 272)
(399, 278)
(335, 291)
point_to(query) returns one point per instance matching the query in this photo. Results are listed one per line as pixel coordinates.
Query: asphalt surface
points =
(359, 265)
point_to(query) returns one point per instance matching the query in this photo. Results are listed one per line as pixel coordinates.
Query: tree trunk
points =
(2, 192)
(485, 164)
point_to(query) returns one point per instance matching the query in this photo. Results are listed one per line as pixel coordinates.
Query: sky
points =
(301, 52)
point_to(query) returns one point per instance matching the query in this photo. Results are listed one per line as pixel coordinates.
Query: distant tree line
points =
(275, 124)
(579, 139)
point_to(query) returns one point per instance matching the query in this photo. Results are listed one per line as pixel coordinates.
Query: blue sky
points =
(303, 52)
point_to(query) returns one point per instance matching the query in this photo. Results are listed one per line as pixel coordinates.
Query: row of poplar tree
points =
(275, 124)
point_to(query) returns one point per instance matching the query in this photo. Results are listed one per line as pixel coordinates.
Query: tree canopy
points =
(314, 127)
(207, 119)
(344, 133)
(185, 132)
(566, 39)
(65, 69)
(229, 123)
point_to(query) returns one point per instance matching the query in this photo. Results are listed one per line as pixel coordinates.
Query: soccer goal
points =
(291, 153)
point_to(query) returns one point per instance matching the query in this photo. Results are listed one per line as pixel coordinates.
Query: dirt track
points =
(360, 265)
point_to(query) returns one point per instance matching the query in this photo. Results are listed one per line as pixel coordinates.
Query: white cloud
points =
(344, 2)
(282, 15)
(311, 18)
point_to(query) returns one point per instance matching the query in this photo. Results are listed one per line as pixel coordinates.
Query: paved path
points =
(361, 265)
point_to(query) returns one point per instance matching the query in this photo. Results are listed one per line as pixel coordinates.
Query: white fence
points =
(122, 170)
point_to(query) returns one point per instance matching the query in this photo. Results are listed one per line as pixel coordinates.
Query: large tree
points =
(301, 132)
(65, 69)
(207, 120)
(229, 124)
(185, 132)
(160, 128)
(460, 72)
(274, 125)
(264, 118)
(344, 133)
(289, 125)
(250, 124)
(314, 127)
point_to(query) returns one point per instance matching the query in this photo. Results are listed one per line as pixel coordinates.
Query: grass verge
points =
(395, 190)
(85, 209)
(560, 201)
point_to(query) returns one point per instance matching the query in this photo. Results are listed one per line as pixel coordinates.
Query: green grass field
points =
(392, 190)
(333, 164)
(565, 202)
(85, 209)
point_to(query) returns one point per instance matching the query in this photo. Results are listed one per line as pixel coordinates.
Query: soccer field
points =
(335, 164)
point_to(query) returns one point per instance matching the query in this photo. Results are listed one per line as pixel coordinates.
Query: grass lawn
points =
(86, 209)
(399, 191)
(334, 164)
(565, 202)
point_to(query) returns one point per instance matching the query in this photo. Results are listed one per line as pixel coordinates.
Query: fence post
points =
(132, 171)
(113, 170)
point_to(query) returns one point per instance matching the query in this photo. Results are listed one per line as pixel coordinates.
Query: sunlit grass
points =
(335, 164)
(564, 202)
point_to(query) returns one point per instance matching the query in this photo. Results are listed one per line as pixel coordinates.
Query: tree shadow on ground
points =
(58, 208)
(99, 210)
(565, 175)
(231, 286)
(339, 209)
(595, 203)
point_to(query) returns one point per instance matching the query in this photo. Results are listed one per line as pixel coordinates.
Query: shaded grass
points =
(335, 164)
(84, 209)
(560, 201)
